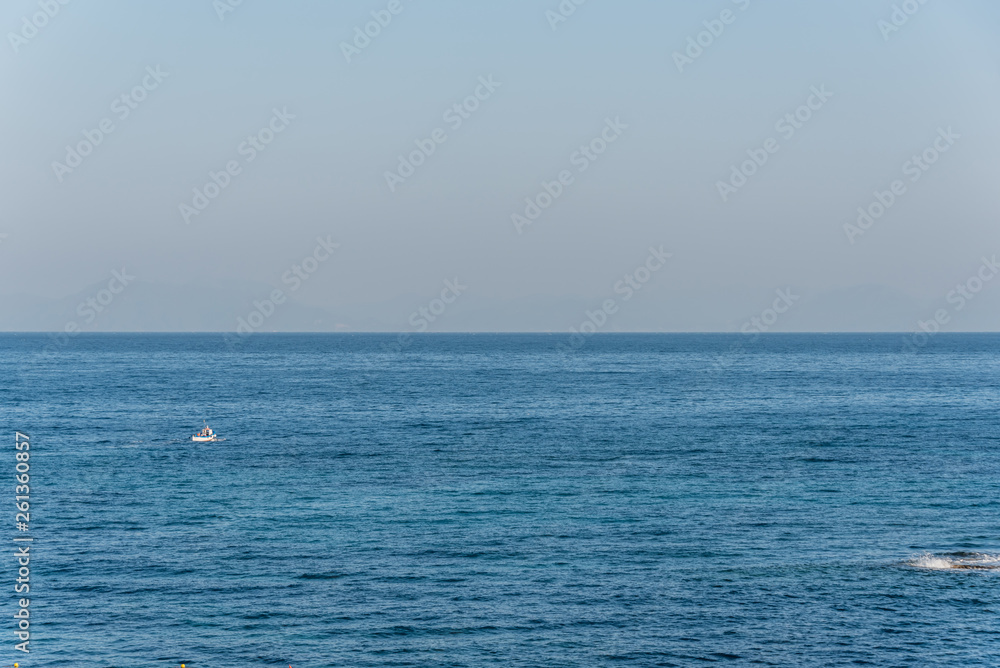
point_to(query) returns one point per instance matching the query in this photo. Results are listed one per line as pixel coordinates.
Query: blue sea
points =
(498, 500)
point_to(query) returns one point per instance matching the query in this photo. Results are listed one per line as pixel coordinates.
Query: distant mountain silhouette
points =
(223, 306)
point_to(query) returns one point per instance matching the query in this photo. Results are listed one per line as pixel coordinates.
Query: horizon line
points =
(511, 333)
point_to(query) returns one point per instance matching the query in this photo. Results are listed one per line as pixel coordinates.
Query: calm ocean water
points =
(487, 500)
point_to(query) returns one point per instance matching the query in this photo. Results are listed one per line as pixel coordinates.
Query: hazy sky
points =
(673, 128)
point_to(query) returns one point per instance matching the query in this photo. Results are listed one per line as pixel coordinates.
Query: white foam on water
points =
(956, 560)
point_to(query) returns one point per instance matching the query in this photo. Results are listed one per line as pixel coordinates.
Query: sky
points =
(639, 165)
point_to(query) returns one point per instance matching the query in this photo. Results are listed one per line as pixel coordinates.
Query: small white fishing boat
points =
(205, 435)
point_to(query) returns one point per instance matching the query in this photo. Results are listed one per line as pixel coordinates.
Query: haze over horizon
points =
(530, 166)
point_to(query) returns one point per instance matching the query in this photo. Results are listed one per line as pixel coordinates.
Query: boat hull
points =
(203, 439)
